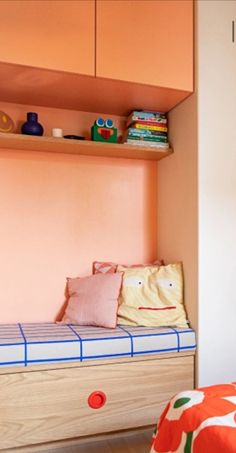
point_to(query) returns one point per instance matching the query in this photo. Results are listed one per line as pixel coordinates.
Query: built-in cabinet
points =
(48, 404)
(49, 34)
(148, 42)
(69, 53)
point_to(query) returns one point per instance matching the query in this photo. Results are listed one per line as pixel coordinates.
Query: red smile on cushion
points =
(151, 308)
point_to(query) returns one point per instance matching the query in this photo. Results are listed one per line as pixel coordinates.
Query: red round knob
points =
(97, 399)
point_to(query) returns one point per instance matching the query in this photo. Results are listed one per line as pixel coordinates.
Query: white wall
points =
(197, 194)
(216, 77)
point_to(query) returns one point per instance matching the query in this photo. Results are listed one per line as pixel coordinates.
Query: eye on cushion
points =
(93, 300)
(165, 283)
(134, 282)
(157, 301)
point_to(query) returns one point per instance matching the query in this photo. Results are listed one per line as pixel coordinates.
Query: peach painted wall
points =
(60, 212)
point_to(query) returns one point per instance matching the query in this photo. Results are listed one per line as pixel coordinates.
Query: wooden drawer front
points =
(43, 406)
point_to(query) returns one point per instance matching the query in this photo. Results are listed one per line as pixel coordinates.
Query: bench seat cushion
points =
(27, 344)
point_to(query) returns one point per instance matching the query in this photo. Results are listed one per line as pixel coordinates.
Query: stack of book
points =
(147, 129)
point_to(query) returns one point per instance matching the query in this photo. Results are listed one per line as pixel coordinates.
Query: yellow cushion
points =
(152, 296)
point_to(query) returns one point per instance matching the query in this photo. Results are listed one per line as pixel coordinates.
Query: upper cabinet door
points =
(146, 41)
(58, 34)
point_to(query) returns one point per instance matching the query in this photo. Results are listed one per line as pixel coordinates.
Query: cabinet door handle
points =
(97, 399)
(233, 39)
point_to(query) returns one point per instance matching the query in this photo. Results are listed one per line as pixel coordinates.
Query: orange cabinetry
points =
(146, 41)
(49, 34)
(138, 53)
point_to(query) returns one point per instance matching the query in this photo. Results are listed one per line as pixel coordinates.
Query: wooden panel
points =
(49, 34)
(34, 86)
(83, 147)
(39, 407)
(132, 441)
(149, 41)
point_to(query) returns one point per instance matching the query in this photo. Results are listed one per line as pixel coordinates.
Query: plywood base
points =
(41, 407)
(137, 439)
(83, 147)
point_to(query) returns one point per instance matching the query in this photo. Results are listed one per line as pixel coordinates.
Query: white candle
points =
(57, 132)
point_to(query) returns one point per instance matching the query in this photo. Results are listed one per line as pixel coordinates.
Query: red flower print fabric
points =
(198, 421)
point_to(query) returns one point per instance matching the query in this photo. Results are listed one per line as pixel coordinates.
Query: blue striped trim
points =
(131, 340)
(25, 343)
(154, 351)
(12, 344)
(62, 359)
(80, 341)
(183, 348)
(178, 338)
(123, 354)
(19, 362)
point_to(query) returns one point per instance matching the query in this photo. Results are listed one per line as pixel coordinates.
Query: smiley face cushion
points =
(152, 296)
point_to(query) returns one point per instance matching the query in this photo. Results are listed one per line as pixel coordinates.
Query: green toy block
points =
(104, 134)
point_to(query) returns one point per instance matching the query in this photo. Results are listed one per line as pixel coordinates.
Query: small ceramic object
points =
(6, 123)
(32, 126)
(74, 137)
(57, 132)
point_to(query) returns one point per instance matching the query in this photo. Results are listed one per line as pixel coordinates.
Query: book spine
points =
(152, 139)
(149, 127)
(147, 143)
(162, 123)
(146, 116)
(145, 133)
(158, 122)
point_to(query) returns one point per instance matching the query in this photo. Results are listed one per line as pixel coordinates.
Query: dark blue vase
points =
(31, 126)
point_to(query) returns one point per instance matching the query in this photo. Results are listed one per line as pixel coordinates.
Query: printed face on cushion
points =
(155, 290)
(152, 296)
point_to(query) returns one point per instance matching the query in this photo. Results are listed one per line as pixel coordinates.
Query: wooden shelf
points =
(82, 147)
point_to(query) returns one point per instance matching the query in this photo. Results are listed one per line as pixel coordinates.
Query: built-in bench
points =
(63, 382)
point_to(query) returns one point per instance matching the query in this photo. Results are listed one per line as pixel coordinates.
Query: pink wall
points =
(60, 212)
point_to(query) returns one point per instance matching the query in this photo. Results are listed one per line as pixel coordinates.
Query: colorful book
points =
(142, 115)
(147, 139)
(145, 133)
(158, 122)
(150, 123)
(149, 127)
(147, 143)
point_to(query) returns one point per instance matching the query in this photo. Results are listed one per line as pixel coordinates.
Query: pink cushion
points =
(103, 267)
(106, 267)
(93, 300)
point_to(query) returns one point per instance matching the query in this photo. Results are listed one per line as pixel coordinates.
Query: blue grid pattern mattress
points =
(27, 344)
